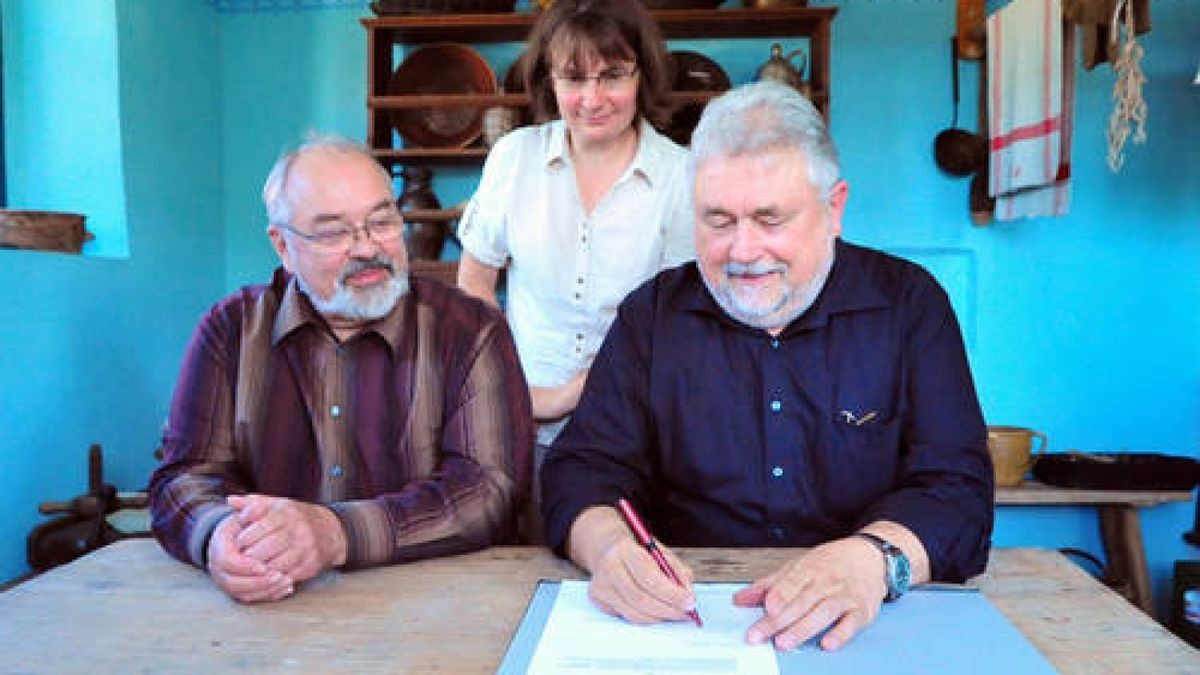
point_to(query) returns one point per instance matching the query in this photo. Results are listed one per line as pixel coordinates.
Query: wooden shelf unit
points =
(384, 33)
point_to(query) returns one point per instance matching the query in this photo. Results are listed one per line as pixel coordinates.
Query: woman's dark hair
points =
(617, 30)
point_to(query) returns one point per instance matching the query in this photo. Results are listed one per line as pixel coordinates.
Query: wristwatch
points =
(899, 572)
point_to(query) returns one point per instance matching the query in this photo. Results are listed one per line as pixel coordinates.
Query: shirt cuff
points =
(955, 533)
(561, 515)
(203, 524)
(368, 531)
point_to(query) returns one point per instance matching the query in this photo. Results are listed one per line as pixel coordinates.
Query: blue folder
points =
(927, 632)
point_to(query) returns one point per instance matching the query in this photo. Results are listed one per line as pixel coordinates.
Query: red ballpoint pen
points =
(645, 539)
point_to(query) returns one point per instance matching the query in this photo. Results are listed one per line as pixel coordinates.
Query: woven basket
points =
(43, 231)
(385, 7)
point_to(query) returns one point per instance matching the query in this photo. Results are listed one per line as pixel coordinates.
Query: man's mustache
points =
(755, 268)
(377, 263)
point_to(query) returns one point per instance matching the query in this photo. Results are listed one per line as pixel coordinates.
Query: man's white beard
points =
(362, 304)
(791, 304)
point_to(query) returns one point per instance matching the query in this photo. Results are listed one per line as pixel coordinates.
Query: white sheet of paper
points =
(579, 638)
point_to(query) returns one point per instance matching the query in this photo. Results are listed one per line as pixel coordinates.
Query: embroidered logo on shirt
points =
(851, 418)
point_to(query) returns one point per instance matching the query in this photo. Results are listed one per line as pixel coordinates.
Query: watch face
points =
(902, 574)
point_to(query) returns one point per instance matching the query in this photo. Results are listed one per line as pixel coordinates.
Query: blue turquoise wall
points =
(59, 103)
(285, 73)
(1080, 326)
(90, 345)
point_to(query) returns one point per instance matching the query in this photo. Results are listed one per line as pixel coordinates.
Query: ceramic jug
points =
(780, 68)
(424, 238)
(499, 120)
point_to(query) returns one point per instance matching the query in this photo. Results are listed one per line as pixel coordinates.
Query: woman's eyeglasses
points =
(609, 79)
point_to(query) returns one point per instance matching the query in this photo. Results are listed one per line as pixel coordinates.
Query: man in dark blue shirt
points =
(787, 389)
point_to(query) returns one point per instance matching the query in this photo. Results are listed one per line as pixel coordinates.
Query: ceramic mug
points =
(1013, 451)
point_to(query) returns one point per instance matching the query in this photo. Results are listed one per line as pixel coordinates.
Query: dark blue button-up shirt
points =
(862, 409)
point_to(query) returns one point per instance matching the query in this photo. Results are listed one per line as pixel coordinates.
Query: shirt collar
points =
(556, 144)
(296, 311)
(649, 161)
(848, 288)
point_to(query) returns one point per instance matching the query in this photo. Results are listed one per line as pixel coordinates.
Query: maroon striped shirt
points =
(417, 432)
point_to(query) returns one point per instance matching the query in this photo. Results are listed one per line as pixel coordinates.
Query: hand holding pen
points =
(645, 539)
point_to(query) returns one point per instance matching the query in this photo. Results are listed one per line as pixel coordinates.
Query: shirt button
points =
(336, 471)
(340, 350)
(776, 405)
(335, 411)
(579, 281)
(578, 296)
(777, 533)
(775, 344)
(777, 471)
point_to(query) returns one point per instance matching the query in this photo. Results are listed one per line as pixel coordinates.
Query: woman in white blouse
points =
(583, 208)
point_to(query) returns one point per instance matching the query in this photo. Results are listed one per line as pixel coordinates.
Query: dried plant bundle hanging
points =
(1129, 110)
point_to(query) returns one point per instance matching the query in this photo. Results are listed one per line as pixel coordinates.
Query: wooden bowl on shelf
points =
(443, 68)
(693, 71)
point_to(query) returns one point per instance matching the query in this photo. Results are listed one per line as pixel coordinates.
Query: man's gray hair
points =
(767, 116)
(275, 190)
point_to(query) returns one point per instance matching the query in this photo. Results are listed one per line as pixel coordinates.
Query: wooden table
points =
(1120, 527)
(130, 608)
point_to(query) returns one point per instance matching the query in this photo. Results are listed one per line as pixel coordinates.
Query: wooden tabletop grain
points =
(130, 608)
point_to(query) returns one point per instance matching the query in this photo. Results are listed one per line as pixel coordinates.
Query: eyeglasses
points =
(610, 79)
(339, 235)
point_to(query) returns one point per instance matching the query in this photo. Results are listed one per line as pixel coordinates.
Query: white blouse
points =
(567, 269)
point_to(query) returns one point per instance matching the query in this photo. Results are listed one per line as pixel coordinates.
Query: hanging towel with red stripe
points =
(1031, 97)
